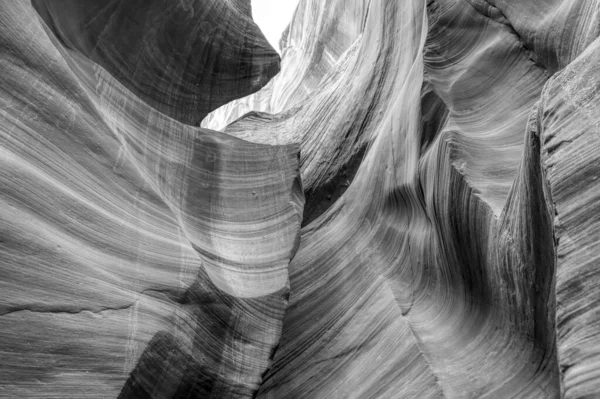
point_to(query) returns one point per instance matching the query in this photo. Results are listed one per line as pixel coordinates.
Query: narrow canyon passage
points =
(398, 202)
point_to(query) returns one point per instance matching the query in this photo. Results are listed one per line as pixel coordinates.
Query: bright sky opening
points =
(273, 16)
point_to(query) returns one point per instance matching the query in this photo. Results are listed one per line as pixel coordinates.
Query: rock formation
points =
(141, 256)
(407, 210)
(318, 35)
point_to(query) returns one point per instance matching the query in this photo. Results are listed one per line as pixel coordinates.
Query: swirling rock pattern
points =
(131, 242)
(139, 43)
(408, 211)
(318, 35)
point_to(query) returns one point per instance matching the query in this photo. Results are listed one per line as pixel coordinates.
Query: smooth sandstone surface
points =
(407, 210)
(184, 58)
(132, 243)
(318, 35)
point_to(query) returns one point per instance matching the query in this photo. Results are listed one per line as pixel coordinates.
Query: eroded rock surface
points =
(408, 210)
(141, 256)
(318, 35)
(184, 58)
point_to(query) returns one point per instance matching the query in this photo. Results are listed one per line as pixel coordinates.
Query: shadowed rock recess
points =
(406, 205)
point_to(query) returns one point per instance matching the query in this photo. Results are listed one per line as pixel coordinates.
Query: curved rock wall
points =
(567, 119)
(412, 262)
(318, 35)
(141, 257)
(407, 211)
(485, 254)
(140, 43)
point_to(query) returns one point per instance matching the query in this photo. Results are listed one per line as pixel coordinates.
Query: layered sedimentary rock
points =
(567, 120)
(180, 57)
(141, 256)
(409, 209)
(318, 35)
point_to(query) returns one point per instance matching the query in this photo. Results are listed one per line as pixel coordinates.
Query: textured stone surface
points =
(318, 35)
(181, 57)
(131, 241)
(407, 210)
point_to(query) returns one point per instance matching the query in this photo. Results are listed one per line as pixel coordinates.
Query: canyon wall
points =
(406, 210)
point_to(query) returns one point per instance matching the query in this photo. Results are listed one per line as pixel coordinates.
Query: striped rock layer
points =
(140, 256)
(409, 209)
(318, 35)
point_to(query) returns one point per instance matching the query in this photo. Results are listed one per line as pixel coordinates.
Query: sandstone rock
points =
(407, 210)
(318, 35)
(130, 239)
(178, 56)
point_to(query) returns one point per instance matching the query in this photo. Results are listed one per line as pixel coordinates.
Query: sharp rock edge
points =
(408, 209)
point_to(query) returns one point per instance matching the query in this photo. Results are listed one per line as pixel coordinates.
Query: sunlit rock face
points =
(407, 210)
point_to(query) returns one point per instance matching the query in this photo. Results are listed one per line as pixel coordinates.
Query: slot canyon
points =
(402, 203)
